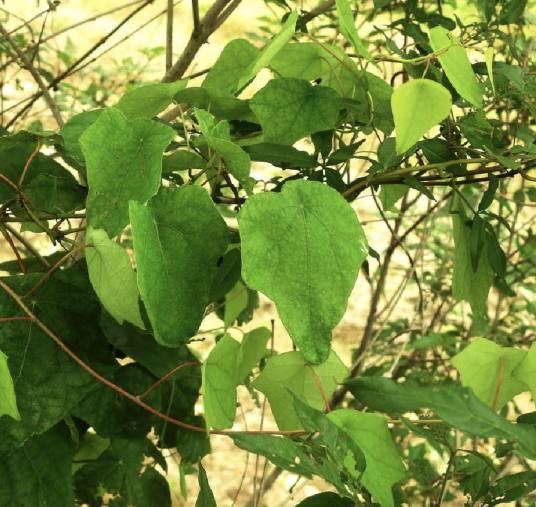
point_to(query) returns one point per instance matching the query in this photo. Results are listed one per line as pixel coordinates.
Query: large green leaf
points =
(348, 29)
(178, 239)
(301, 60)
(8, 401)
(120, 471)
(480, 369)
(39, 473)
(456, 65)
(149, 100)
(526, 370)
(219, 384)
(384, 466)
(468, 285)
(287, 374)
(303, 248)
(219, 139)
(48, 383)
(124, 162)
(418, 106)
(270, 51)
(290, 109)
(456, 405)
(232, 63)
(113, 278)
(205, 497)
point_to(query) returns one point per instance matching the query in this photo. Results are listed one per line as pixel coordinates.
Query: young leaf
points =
(467, 284)
(487, 369)
(8, 401)
(124, 162)
(526, 370)
(219, 384)
(235, 303)
(456, 65)
(149, 100)
(477, 241)
(489, 194)
(39, 473)
(113, 278)
(413, 182)
(252, 350)
(232, 63)
(290, 109)
(418, 106)
(270, 51)
(306, 238)
(205, 497)
(384, 466)
(489, 66)
(348, 29)
(327, 498)
(176, 264)
(287, 374)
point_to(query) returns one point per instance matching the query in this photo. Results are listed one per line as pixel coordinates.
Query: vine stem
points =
(32, 156)
(53, 268)
(499, 383)
(11, 319)
(6, 235)
(167, 375)
(320, 387)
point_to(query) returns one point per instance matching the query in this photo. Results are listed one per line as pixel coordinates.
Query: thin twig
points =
(167, 375)
(169, 35)
(37, 77)
(320, 387)
(6, 235)
(27, 245)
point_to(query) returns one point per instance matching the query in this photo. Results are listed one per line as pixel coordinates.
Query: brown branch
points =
(212, 20)
(317, 11)
(27, 245)
(167, 375)
(11, 319)
(169, 35)
(53, 268)
(320, 387)
(37, 77)
(32, 156)
(6, 235)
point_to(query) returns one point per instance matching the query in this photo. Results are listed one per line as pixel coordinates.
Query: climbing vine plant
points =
(187, 198)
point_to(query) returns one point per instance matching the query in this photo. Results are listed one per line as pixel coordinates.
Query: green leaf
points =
(288, 374)
(525, 372)
(8, 401)
(512, 487)
(252, 350)
(218, 138)
(176, 264)
(71, 151)
(124, 162)
(487, 369)
(290, 109)
(232, 63)
(468, 285)
(384, 466)
(90, 448)
(219, 384)
(489, 194)
(227, 275)
(413, 182)
(47, 382)
(418, 106)
(205, 497)
(286, 157)
(193, 445)
(270, 51)
(456, 65)
(390, 195)
(307, 238)
(182, 160)
(54, 194)
(328, 498)
(301, 60)
(149, 100)
(456, 405)
(113, 278)
(348, 29)
(39, 473)
(489, 66)
(477, 240)
(236, 302)
(118, 471)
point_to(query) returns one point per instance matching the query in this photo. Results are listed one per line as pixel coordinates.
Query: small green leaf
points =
(489, 194)
(232, 63)
(176, 264)
(54, 194)
(290, 109)
(8, 401)
(489, 66)
(270, 51)
(384, 466)
(252, 350)
(418, 106)
(182, 160)
(456, 65)
(413, 182)
(487, 369)
(124, 162)
(219, 384)
(205, 497)
(390, 195)
(149, 100)
(307, 238)
(477, 241)
(348, 29)
(526, 370)
(113, 278)
(235, 303)
(327, 498)
(288, 373)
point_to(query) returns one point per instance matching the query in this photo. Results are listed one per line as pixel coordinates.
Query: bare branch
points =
(317, 11)
(169, 35)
